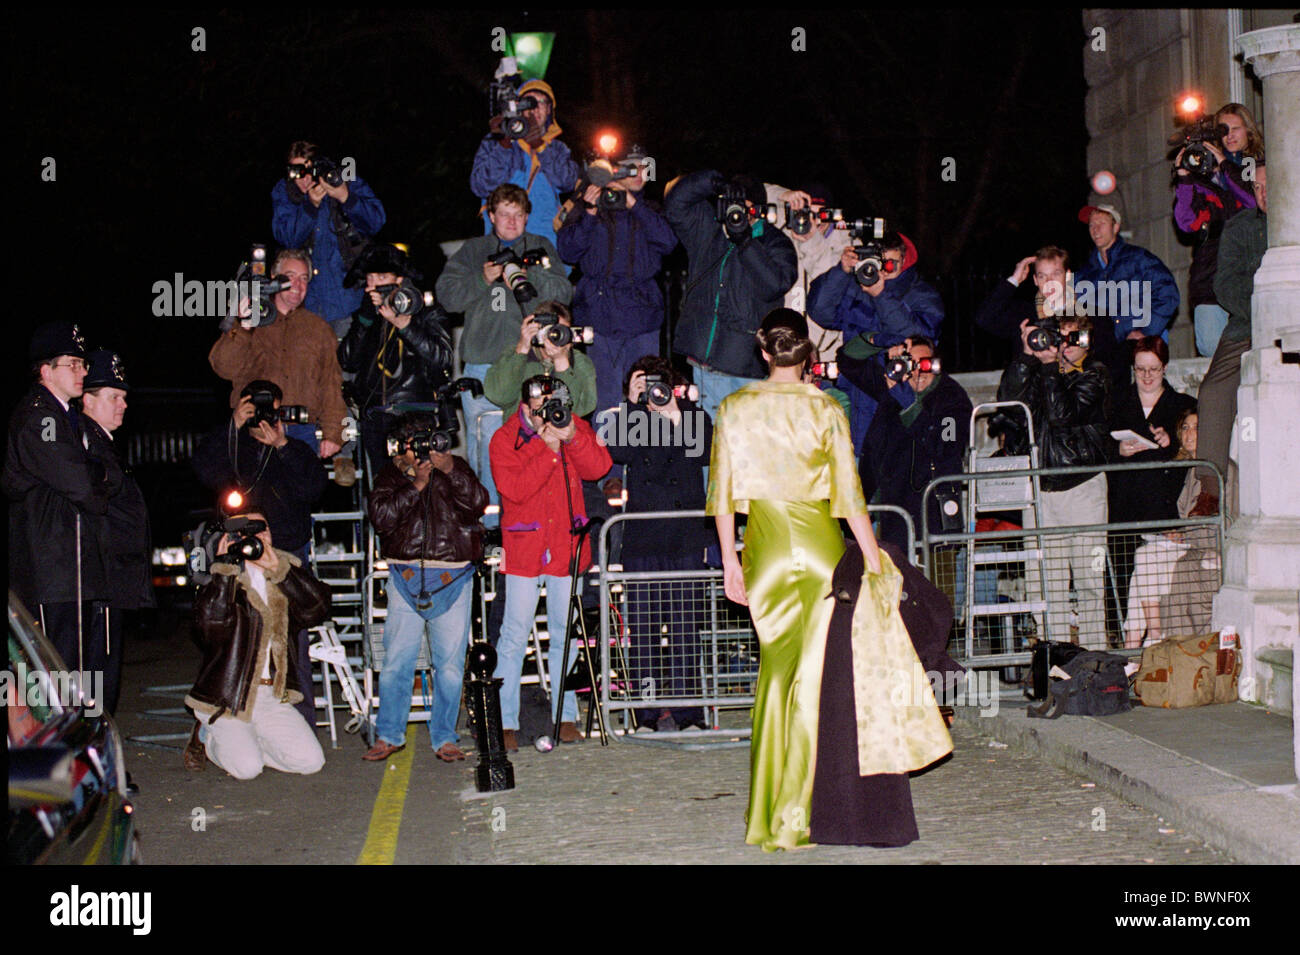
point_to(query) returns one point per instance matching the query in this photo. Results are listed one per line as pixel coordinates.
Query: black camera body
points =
(560, 335)
(557, 408)
(516, 271)
(202, 543)
(659, 391)
(442, 436)
(264, 409)
(901, 366)
(504, 101)
(736, 213)
(1197, 158)
(326, 170)
(251, 279)
(867, 233)
(601, 173)
(1048, 335)
(802, 221)
(404, 298)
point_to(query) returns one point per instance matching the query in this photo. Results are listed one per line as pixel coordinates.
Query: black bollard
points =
(494, 773)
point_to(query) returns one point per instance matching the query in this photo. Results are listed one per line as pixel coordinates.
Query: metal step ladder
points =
(991, 494)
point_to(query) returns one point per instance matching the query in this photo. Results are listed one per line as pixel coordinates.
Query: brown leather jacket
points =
(236, 628)
(440, 524)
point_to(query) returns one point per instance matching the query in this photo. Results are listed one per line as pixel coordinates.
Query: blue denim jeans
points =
(404, 632)
(305, 433)
(521, 607)
(477, 452)
(714, 386)
(1209, 321)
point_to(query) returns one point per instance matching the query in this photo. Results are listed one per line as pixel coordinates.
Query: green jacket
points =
(507, 376)
(1241, 248)
(492, 316)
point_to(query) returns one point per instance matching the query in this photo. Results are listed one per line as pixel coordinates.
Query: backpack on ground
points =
(1187, 671)
(1098, 686)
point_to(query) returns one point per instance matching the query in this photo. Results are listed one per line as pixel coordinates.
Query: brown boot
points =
(1207, 505)
(511, 740)
(196, 754)
(569, 733)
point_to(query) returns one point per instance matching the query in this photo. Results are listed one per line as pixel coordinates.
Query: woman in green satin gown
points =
(782, 454)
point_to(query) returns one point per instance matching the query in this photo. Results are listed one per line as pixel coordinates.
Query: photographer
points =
(293, 346)
(540, 457)
(664, 619)
(736, 276)
(620, 249)
(249, 618)
(393, 358)
(276, 474)
(473, 282)
(332, 220)
(126, 534)
(818, 249)
(537, 163)
(425, 506)
(528, 358)
(1152, 299)
(1204, 203)
(1069, 397)
(894, 307)
(919, 432)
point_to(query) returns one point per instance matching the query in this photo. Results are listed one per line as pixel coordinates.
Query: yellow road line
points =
(386, 817)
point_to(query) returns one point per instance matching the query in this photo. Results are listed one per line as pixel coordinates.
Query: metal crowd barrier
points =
(1101, 585)
(672, 639)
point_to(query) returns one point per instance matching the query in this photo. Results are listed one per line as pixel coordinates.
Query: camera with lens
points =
(243, 544)
(326, 170)
(252, 283)
(899, 367)
(1197, 158)
(504, 101)
(560, 335)
(601, 173)
(867, 233)
(659, 391)
(441, 436)
(515, 274)
(824, 370)
(557, 408)
(802, 221)
(264, 409)
(1049, 335)
(737, 213)
(404, 298)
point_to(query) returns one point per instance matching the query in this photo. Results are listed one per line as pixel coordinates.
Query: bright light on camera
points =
(233, 501)
(1191, 104)
(607, 142)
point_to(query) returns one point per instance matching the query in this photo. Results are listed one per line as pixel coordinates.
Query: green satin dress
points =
(782, 454)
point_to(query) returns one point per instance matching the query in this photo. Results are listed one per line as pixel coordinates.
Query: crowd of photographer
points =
(334, 327)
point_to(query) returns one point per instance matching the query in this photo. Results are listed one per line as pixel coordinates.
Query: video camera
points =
(557, 409)
(202, 543)
(442, 436)
(252, 283)
(504, 100)
(870, 251)
(560, 335)
(1197, 158)
(737, 213)
(404, 298)
(264, 409)
(659, 391)
(601, 172)
(901, 366)
(516, 271)
(1048, 335)
(802, 221)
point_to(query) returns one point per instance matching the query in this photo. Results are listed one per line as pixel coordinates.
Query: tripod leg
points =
(575, 606)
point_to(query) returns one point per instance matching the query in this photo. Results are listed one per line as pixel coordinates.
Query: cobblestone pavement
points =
(652, 804)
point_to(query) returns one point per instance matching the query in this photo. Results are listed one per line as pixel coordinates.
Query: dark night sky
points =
(166, 157)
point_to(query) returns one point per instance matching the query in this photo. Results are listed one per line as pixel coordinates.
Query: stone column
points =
(1262, 552)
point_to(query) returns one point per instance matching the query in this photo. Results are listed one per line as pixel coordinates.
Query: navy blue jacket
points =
(731, 286)
(620, 252)
(296, 224)
(1130, 263)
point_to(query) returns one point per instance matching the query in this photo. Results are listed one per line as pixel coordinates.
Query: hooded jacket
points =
(907, 306)
(730, 286)
(543, 168)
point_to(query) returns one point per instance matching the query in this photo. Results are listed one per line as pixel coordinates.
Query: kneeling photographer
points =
(278, 475)
(425, 506)
(545, 347)
(249, 616)
(397, 348)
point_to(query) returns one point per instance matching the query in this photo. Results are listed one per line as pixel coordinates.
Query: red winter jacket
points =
(534, 508)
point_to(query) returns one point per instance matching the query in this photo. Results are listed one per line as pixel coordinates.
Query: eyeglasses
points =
(1148, 371)
(76, 364)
